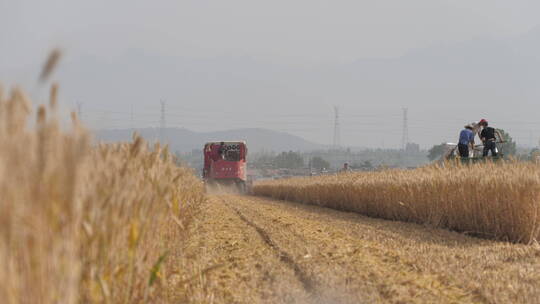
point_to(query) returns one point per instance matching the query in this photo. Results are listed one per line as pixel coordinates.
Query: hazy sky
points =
(293, 49)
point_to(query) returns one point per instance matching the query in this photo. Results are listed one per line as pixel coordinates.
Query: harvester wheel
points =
(241, 187)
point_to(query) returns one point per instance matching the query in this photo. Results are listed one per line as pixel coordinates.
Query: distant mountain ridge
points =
(184, 140)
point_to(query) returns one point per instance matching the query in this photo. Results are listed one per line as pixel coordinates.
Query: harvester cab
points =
(225, 165)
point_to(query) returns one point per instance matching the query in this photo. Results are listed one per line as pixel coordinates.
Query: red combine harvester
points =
(225, 164)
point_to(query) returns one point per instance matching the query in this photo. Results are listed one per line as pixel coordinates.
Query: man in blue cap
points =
(466, 140)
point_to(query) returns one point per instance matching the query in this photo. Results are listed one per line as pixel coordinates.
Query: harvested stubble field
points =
(494, 200)
(260, 250)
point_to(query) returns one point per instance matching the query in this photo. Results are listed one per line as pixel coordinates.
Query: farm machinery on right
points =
(475, 155)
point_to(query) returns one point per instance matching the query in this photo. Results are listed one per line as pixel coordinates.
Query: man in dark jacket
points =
(489, 137)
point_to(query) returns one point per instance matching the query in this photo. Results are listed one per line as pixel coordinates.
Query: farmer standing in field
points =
(345, 168)
(466, 140)
(489, 137)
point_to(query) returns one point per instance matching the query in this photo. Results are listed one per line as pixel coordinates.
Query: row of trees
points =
(290, 160)
(295, 160)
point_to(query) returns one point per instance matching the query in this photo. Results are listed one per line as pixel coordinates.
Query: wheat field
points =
(82, 222)
(494, 200)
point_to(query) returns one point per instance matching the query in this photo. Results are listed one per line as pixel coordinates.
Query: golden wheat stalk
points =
(82, 222)
(495, 200)
(50, 64)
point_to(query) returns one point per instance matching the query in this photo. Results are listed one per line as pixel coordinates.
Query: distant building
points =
(412, 148)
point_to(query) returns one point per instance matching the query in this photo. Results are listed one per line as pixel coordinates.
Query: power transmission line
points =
(162, 122)
(336, 143)
(79, 111)
(405, 130)
(132, 125)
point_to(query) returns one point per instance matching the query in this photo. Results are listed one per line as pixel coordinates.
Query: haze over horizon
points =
(283, 65)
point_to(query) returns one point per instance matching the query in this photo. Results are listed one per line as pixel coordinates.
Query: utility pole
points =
(336, 143)
(131, 121)
(405, 131)
(79, 110)
(104, 120)
(162, 122)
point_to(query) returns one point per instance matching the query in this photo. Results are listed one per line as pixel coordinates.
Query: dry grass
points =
(499, 201)
(351, 258)
(83, 223)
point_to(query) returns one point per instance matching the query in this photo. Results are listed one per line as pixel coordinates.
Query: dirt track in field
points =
(257, 250)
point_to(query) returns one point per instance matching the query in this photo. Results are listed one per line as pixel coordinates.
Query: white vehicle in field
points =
(451, 152)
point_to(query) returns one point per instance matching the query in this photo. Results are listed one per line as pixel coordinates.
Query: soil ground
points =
(255, 250)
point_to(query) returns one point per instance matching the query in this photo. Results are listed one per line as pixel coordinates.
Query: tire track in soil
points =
(307, 282)
(343, 267)
(249, 270)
